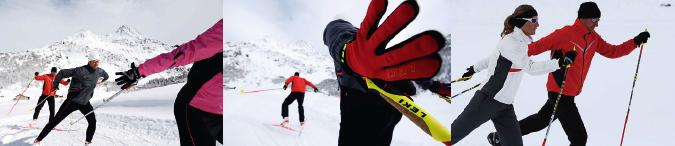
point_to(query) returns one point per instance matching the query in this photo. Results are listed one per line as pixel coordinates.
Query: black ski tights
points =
(198, 128)
(66, 108)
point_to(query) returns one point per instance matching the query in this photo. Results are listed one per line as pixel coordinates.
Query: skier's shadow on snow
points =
(21, 142)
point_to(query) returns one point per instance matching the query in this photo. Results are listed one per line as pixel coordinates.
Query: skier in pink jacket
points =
(199, 104)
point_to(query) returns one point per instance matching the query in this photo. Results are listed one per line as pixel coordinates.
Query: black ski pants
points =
(41, 102)
(568, 115)
(289, 99)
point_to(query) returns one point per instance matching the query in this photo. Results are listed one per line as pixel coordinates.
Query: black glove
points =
(557, 54)
(55, 88)
(68, 80)
(641, 38)
(567, 59)
(128, 77)
(469, 72)
(36, 73)
(316, 90)
(285, 86)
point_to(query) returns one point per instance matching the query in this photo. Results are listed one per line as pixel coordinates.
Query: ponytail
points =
(508, 27)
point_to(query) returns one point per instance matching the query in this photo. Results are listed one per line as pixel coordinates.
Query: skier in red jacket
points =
(48, 94)
(581, 38)
(297, 93)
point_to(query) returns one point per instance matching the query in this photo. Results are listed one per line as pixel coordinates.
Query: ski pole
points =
(41, 102)
(460, 79)
(630, 100)
(17, 100)
(124, 88)
(449, 99)
(242, 91)
(413, 112)
(557, 100)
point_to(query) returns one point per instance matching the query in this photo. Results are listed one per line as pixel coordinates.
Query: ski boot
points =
(284, 123)
(87, 143)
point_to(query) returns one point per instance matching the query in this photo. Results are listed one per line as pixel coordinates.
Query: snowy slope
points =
(474, 26)
(117, 50)
(267, 63)
(132, 119)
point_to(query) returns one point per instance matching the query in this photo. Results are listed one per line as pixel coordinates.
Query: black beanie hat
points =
(296, 74)
(53, 69)
(588, 10)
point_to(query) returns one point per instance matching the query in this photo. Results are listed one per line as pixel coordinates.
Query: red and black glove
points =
(414, 58)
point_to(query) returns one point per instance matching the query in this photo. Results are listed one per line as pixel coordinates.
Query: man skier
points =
(366, 118)
(297, 93)
(582, 38)
(48, 94)
(80, 92)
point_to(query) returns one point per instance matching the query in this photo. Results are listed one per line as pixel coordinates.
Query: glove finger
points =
(122, 78)
(375, 12)
(418, 46)
(422, 68)
(395, 22)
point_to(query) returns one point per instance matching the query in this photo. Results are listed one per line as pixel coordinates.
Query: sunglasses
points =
(595, 20)
(533, 20)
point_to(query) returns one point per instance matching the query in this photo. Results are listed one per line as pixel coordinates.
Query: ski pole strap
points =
(413, 112)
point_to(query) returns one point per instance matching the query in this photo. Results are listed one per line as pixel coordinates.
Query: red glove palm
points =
(414, 58)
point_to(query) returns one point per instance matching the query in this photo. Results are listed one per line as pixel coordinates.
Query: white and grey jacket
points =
(506, 66)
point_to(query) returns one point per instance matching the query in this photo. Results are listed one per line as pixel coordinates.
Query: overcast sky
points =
(27, 24)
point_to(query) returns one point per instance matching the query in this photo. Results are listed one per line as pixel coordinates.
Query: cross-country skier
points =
(366, 118)
(582, 36)
(506, 67)
(80, 92)
(199, 104)
(298, 85)
(47, 94)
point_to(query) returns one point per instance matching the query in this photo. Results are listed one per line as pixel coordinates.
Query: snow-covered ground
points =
(142, 117)
(475, 27)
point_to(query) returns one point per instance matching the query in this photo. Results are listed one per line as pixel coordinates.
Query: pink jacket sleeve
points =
(204, 46)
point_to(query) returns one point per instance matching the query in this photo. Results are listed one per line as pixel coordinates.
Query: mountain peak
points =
(128, 31)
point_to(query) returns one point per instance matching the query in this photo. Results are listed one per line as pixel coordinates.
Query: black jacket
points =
(84, 80)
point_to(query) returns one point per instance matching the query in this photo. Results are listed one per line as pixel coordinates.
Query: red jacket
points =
(298, 84)
(587, 43)
(47, 88)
